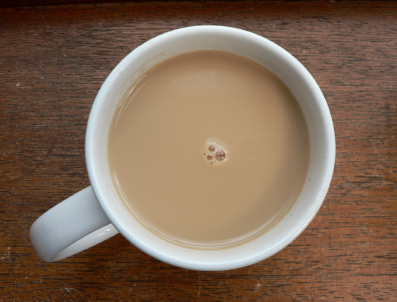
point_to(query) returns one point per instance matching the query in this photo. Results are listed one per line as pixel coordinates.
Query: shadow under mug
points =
(97, 213)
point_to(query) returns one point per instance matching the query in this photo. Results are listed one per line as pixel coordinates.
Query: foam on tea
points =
(208, 149)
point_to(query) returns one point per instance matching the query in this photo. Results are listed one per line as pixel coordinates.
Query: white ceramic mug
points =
(97, 213)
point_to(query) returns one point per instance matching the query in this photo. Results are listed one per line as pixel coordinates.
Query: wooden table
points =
(53, 60)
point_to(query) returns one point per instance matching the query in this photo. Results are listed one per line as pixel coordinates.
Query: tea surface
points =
(209, 149)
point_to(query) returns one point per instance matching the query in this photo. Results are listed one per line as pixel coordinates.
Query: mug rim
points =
(97, 187)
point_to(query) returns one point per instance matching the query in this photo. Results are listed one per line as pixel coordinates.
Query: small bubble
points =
(209, 156)
(211, 163)
(204, 153)
(220, 155)
(212, 148)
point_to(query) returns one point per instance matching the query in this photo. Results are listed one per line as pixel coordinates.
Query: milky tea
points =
(208, 149)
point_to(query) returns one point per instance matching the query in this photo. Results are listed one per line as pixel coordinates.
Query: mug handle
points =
(72, 226)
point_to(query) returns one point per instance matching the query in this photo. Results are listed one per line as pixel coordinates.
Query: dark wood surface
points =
(53, 60)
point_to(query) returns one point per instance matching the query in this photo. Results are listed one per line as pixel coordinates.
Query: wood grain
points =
(53, 60)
